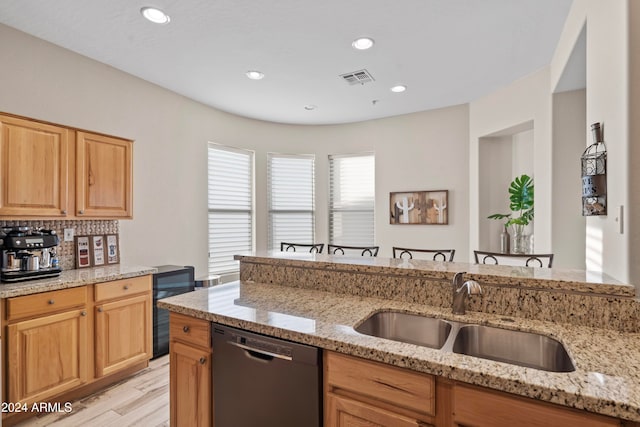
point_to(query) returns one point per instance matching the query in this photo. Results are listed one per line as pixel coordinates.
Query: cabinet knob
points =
(125, 287)
(83, 313)
(81, 212)
(51, 302)
(99, 309)
(185, 329)
(202, 360)
(63, 211)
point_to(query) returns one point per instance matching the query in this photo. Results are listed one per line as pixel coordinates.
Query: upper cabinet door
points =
(103, 176)
(34, 164)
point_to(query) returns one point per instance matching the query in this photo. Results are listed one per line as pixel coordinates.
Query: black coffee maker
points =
(28, 253)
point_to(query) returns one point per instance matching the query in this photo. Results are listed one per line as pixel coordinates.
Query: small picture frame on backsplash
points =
(97, 249)
(113, 249)
(83, 254)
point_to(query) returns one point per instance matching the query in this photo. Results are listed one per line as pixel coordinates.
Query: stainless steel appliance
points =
(168, 281)
(264, 381)
(28, 253)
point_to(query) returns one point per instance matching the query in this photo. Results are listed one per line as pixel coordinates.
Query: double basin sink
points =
(503, 345)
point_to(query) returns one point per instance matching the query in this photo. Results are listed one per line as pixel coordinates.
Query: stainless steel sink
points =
(515, 347)
(487, 342)
(406, 327)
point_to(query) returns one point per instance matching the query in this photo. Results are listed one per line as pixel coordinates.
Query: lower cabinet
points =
(344, 412)
(479, 407)
(359, 392)
(47, 356)
(362, 393)
(58, 342)
(122, 333)
(191, 393)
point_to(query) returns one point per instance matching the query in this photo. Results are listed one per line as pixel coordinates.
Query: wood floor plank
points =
(140, 400)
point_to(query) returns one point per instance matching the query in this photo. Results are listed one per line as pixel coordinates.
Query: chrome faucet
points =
(461, 290)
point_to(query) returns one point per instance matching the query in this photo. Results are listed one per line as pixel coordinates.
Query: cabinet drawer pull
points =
(125, 287)
(99, 309)
(202, 360)
(51, 302)
(185, 329)
(83, 313)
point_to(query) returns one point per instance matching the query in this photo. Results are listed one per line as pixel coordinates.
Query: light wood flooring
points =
(141, 400)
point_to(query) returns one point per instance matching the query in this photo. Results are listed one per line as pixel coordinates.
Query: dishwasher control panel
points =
(262, 345)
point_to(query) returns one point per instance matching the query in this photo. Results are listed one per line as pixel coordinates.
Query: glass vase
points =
(521, 243)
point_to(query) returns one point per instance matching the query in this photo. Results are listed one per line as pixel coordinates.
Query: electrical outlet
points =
(68, 234)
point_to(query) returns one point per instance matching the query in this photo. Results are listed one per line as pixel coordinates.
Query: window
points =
(291, 199)
(351, 200)
(230, 207)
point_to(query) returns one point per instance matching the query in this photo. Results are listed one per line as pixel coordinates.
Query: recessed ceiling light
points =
(309, 107)
(155, 15)
(363, 43)
(254, 75)
(399, 88)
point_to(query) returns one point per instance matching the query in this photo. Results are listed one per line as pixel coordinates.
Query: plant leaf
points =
(499, 216)
(521, 193)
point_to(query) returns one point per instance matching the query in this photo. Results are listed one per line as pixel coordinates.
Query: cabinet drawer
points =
(400, 387)
(488, 408)
(122, 288)
(45, 303)
(190, 330)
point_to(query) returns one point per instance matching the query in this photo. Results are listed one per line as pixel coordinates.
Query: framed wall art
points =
(83, 254)
(419, 207)
(97, 250)
(113, 249)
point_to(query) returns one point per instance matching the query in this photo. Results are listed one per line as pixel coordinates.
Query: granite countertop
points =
(606, 379)
(74, 278)
(572, 280)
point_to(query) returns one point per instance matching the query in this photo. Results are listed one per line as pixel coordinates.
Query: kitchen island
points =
(276, 297)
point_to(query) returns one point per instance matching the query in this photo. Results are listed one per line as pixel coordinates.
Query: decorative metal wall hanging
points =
(594, 175)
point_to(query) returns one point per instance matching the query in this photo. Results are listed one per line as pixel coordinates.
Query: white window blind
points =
(291, 199)
(230, 195)
(352, 199)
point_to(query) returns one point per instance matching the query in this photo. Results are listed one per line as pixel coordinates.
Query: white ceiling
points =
(447, 52)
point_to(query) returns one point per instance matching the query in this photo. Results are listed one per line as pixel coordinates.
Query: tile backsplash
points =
(66, 250)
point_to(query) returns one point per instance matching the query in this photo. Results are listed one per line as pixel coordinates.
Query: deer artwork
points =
(405, 208)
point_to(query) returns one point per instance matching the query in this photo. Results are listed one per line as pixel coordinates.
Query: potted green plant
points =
(521, 205)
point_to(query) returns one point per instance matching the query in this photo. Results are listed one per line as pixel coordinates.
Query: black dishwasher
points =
(264, 381)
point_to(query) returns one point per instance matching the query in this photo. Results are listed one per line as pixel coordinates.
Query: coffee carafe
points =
(26, 254)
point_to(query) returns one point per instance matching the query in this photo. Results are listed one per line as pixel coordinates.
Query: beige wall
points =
(607, 101)
(510, 111)
(569, 136)
(632, 220)
(423, 151)
(608, 87)
(42, 81)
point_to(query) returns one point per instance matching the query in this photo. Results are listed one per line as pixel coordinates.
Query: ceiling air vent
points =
(358, 77)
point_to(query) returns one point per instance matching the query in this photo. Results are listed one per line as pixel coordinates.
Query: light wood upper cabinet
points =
(51, 171)
(103, 176)
(34, 167)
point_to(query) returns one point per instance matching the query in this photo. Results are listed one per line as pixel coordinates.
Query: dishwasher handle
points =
(252, 350)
